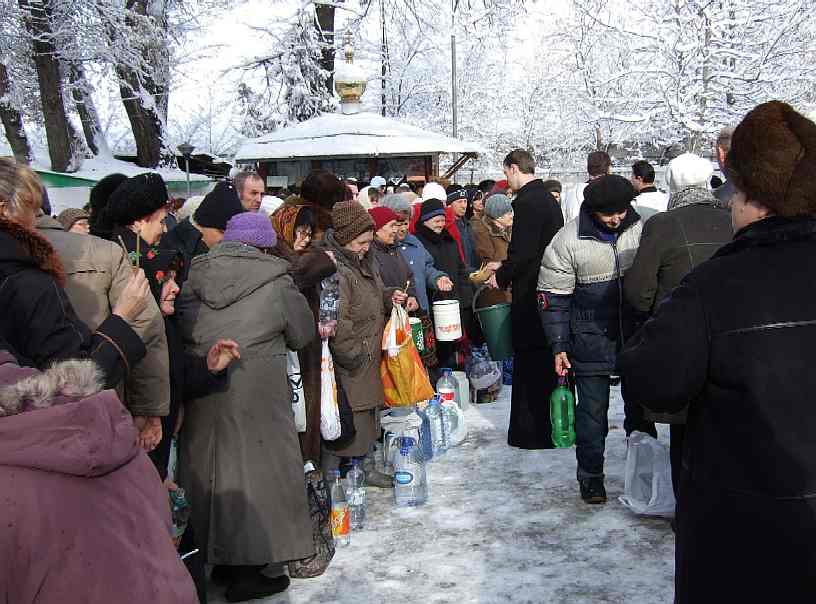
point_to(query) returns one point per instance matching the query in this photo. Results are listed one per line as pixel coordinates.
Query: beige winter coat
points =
(97, 271)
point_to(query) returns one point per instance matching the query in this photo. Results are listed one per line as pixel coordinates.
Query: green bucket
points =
(496, 328)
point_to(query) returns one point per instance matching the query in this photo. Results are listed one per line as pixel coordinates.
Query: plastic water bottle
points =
(410, 480)
(180, 510)
(425, 439)
(355, 478)
(446, 386)
(450, 421)
(562, 415)
(437, 425)
(340, 517)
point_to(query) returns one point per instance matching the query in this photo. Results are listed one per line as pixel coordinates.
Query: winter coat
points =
(188, 240)
(85, 517)
(422, 266)
(736, 339)
(671, 245)
(96, 273)
(38, 322)
(536, 219)
(446, 258)
(239, 454)
(393, 269)
(581, 283)
(308, 270)
(468, 244)
(674, 243)
(492, 242)
(356, 347)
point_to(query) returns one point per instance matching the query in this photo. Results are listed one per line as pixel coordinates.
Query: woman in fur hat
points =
(735, 342)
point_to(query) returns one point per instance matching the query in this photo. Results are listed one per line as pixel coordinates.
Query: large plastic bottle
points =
(446, 386)
(437, 425)
(562, 415)
(425, 439)
(455, 427)
(340, 517)
(355, 478)
(410, 480)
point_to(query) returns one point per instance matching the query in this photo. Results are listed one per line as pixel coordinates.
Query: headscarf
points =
(287, 219)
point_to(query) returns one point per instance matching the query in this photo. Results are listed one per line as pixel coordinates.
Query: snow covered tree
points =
(12, 120)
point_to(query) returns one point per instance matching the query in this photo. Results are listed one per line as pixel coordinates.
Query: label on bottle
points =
(402, 477)
(340, 520)
(447, 394)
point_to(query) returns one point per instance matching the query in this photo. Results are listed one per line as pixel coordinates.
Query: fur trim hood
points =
(60, 421)
(21, 248)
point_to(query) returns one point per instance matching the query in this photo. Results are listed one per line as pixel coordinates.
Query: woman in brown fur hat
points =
(735, 340)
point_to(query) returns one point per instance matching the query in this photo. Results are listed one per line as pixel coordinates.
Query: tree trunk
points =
(13, 122)
(325, 25)
(58, 130)
(82, 94)
(143, 97)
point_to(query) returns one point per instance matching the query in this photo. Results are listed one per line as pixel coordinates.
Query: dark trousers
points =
(592, 424)
(677, 434)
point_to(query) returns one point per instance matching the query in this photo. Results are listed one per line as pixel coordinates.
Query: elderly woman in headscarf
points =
(294, 226)
(734, 342)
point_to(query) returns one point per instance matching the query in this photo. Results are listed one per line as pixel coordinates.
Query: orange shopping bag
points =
(403, 375)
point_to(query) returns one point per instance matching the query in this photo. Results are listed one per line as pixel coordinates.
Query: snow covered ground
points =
(504, 526)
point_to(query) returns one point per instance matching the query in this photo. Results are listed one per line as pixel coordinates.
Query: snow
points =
(360, 134)
(99, 167)
(502, 526)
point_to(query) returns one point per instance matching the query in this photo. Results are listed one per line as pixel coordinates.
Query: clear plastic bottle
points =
(180, 510)
(446, 386)
(410, 480)
(425, 439)
(450, 420)
(340, 517)
(437, 426)
(355, 478)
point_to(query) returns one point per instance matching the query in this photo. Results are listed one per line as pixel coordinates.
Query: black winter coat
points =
(446, 257)
(37, 320)
(187, 239)
(537, 218)
(672, 244)
(394, 270)
(736, 339)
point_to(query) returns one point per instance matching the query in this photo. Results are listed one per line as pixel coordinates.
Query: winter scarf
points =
(692, 195)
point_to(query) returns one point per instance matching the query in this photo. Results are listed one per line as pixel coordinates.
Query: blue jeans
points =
(592, 425)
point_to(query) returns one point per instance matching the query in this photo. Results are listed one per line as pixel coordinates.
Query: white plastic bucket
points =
(447, 320)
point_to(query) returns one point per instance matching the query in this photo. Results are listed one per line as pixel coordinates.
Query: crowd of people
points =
(144, 346)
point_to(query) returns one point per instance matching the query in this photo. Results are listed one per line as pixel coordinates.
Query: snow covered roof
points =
(359, 134)
(98, 167)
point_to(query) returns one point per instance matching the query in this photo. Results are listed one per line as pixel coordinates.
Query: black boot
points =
(593, 490)
(249, 583)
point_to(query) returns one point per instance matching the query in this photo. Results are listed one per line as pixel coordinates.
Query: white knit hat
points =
(688, 170)
(433, 190)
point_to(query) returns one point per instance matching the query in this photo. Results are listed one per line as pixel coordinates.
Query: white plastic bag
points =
(329, 411)
(298, 396)
(648, 487)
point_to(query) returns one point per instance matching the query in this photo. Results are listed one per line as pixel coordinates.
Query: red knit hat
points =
(382, 216)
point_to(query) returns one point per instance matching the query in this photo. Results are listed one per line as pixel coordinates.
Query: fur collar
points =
(32, 248)
(75, 379)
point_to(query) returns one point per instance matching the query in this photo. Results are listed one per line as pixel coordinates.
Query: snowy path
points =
(503, 526)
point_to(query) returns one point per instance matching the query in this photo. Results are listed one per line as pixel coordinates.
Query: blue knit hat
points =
(498, 205)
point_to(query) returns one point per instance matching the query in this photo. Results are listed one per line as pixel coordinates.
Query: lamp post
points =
(187, 150)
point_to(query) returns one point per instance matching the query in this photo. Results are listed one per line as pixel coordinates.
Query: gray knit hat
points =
(498, 205)
(69, 216)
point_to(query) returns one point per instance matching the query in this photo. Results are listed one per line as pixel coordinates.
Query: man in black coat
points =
(736, 339)
(194, 237)
(537, 218)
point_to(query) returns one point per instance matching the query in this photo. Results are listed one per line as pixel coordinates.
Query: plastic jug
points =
(562, 415)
